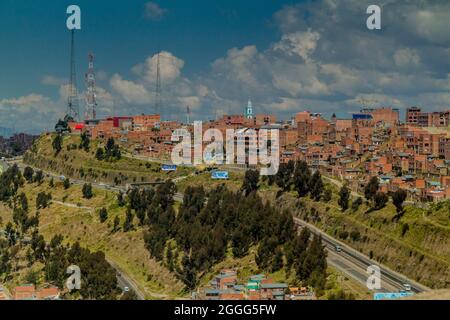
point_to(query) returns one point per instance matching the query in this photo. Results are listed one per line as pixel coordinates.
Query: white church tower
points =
(249, 110)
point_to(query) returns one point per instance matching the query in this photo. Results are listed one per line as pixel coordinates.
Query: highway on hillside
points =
(355, 264)
(349, 261)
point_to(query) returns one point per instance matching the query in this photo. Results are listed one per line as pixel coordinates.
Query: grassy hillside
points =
(77, 220)
(418, 245)
(77, 163)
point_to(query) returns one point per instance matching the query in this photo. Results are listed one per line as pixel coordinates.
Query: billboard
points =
(169, 167)
(220, 175)
(391, 295)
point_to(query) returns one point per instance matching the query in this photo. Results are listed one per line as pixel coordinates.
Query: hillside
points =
(418, 245)
(77, 163)
(78, 218)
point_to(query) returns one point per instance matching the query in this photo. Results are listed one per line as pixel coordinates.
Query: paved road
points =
(354, 263)
(125, 282)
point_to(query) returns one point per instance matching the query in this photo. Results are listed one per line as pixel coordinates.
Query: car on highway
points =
(338, 249)
(407, 286)
(126, 289)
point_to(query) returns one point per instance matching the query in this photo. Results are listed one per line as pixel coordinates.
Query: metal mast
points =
(72, 100)
(158, 101)
(91, 94)
(188, 112)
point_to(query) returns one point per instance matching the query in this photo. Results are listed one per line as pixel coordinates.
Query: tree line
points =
(208, 225)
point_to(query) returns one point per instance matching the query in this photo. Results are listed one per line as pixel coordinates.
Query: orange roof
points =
(48, 293)
(255, 296)
(231, 296)
(24, 292)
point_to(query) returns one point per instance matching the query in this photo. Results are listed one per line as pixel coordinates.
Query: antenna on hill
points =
(91, 95)
(72, 99)
(188, 113)
(158, 85)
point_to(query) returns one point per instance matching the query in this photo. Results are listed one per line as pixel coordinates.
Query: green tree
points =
(38, 177)
(128, 223)
(316, 186)
(23, 201)
(103, 215)
(380, 200)
(357, 203)
(100, 154)
(120, 199)
(302, 177)
(85, 142)
(283, 177)
(116, 224)
(344, 197)
(66, 183)
(87, 191)
(57, 144)
(188, 274)
(28, 173)
(327, 195)
(371, 189)
(251, 181)
(398, 197)
(43, 200)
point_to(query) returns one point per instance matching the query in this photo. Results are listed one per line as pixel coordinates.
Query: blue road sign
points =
(220, 175)
(169, 167)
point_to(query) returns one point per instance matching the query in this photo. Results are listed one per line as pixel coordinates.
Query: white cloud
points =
(299, 43)
(130, 91)
(406, 57)
(170, 68)
(30, 113)
(154, 12)
(52, 80)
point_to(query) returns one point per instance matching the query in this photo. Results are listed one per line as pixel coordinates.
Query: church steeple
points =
(249, 110)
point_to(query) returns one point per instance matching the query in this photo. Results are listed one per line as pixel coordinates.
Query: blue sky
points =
(120, 35)
(286, 56)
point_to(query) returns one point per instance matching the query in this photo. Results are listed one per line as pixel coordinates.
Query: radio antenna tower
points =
(158, 100)
(91, 94)
(188, 113)
(72, 100)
